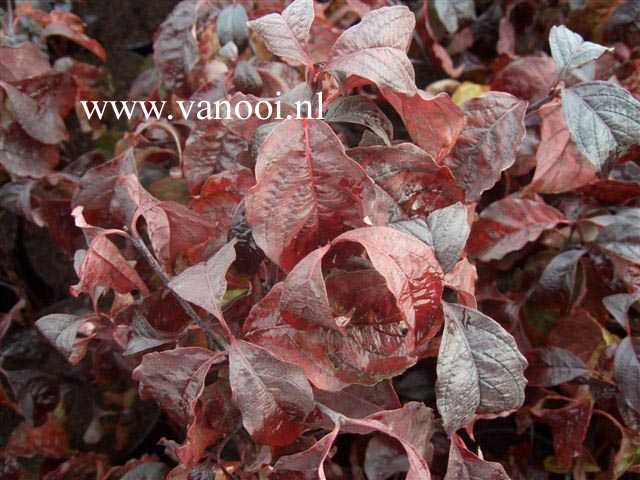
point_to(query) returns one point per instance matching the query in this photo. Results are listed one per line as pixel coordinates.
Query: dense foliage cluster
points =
(439, 279)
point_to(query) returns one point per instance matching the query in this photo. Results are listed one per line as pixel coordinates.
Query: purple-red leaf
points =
(304, 295)
(488, 144)
(465, 465)
(274, 397)
(102, 264)
(508, 224)
(308, 191)
(204, 284)
(553, 366)
(410, 268)
(376, 49)
(286, 34)
(434, 124)
(560, 166)
(42, 123)
(306, 465)
(410, 177)
(174, 379)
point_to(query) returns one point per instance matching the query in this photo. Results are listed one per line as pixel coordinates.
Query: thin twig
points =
(214, 339)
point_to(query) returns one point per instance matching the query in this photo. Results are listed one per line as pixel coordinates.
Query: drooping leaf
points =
(411, 425)
(61, 330)
(376, 48)
(204, 284)
(603, 119)
(95, 191)
(102, 264)
(173, 229)
(452, 13)
(286, 34)
(508, 224)
(480, 368)
(411, 178)
(68, 25)
(553, 366)
(465, 465)
(358, 401)
(274, 397)
(308, 191)
(618, 306)
(449, 229)
(361, 111)
(570, 51)
(560, 166)
(627, 371)
(308, 464)
(410, 268)
(174, 379)
(145, 337)
(434, 124)
(488, 144)
(18, 145)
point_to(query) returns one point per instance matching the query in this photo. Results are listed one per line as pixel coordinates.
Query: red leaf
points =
(508, 224)
(410, 177)
(172, 228)
(528, 78)
(21, 62)
(411, 425)
(205, 284)
(560, 167)
(308, 191)
(18, 146)
(464, 465)
(102, 264)
(434, 124)
(70, 26)
(49, 439)
(274, 397)
(365, 353)
(489, 143)
(175, 52)
(306, 465)
(553, 366)
(61, 331)
(376, 49)
(211, 148)
(409, 266)
(286, 34)
(40, 122)
(174, 379)
(569, 426)
(304, 296)
(358, 401)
